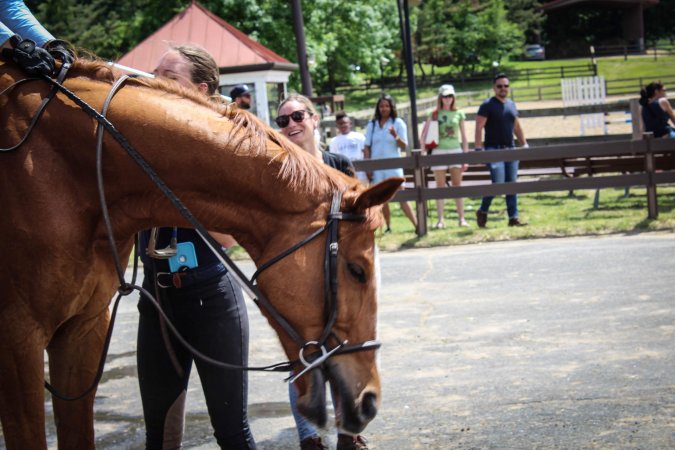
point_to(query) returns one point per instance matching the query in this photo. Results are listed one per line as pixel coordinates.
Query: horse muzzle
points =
(354, 408)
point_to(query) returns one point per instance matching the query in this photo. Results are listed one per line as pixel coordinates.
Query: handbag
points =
(431, 138)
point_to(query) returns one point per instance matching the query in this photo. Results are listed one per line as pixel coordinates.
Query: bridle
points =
(311, 361)
(330, 293)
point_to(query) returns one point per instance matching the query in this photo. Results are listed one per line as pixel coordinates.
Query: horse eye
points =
(357, 272)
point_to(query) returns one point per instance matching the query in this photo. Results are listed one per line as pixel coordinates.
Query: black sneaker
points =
(347, 442)
(481, 218)
(515, 222)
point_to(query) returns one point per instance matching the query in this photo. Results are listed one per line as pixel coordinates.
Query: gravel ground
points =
(550, 343)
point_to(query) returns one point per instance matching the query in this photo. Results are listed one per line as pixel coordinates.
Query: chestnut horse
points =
(238, 176)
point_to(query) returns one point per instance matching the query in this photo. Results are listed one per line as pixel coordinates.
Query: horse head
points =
(297, 285)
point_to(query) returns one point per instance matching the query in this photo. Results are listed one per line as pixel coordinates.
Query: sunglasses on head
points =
(500, 86)
(297, 116)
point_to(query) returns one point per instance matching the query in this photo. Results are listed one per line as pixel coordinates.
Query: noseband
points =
(310, 362)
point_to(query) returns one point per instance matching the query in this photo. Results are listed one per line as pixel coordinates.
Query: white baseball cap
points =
(446, 89)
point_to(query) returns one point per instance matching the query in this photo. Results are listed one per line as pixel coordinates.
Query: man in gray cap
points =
(241, 95)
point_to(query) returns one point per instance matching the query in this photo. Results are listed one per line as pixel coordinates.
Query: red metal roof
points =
(197, 25)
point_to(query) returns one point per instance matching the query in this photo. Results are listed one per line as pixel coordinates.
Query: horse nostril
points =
(369, 406)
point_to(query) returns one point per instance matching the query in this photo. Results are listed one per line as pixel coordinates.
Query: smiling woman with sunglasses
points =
(297, 120)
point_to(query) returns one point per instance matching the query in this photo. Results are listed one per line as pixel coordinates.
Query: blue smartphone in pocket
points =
(185, 257)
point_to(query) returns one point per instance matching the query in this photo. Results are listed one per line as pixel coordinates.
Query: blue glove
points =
(35, 61)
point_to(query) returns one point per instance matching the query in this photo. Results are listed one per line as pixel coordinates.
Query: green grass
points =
(549, 215)
(553, 214)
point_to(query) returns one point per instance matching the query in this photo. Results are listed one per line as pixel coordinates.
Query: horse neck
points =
(190, 146)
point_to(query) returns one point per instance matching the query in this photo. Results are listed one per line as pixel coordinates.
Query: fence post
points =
(652, 205)
(419, 185)
(635, 119)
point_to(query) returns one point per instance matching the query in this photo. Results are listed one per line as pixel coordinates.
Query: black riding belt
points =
(189, 277)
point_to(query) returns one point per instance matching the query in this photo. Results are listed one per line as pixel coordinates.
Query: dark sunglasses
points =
(448, 96)
(499, 86)
(297, 116)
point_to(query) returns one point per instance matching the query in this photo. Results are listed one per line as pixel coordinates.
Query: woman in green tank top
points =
(451, 139)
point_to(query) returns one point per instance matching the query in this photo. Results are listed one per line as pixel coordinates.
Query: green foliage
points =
(528, 17)
(660, 21)
(347, 40)
(470, 38)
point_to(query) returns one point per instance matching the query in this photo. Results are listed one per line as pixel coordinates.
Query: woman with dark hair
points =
(204, 303)
(656, 110)
(386, 136)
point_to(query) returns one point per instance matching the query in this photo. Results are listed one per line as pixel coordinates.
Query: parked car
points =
(534, 52)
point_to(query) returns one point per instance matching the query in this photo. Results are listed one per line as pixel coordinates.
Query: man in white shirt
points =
(348, 143)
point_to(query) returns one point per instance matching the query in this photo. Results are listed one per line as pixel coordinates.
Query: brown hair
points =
(203, 68)
(300, 99)
(439, 103)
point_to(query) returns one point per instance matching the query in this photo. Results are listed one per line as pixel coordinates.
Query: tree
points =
(527, 15)
(466, 34)
(660, 21)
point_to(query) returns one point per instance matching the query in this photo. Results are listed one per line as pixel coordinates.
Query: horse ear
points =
(377, 195)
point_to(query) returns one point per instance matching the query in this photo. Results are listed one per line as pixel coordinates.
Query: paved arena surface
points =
(551, 343)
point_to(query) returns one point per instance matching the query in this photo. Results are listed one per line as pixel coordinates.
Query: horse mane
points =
(301, 171)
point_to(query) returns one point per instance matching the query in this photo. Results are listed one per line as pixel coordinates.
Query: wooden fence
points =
(633, 49)
(620, 164)
(529, 75)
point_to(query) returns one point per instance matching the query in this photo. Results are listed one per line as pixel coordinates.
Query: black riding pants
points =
(212, 317)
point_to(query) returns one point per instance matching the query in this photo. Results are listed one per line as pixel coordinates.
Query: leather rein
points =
(313, 360)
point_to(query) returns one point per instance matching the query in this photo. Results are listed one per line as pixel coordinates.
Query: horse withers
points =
(238, 176)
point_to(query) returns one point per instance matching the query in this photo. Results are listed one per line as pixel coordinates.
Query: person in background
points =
(241, 95)
(348, 143)
(203, 302)
(499, 117)
(452, 139)
(297, 120)
(26, 42)
(656, 110)
(386, 136)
